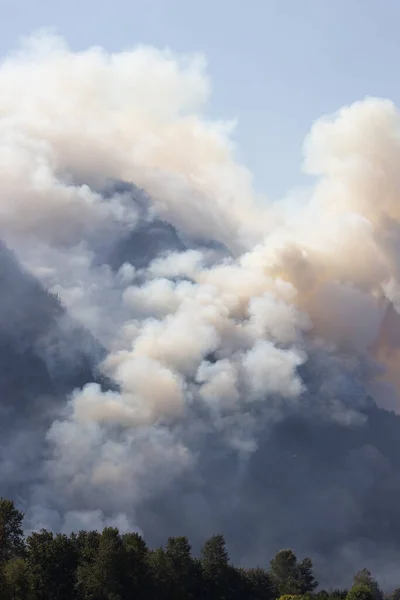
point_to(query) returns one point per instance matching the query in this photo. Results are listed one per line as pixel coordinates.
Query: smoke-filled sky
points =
(178, 353)
(276, 65)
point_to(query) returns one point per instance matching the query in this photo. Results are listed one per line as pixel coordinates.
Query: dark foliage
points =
(110, 566)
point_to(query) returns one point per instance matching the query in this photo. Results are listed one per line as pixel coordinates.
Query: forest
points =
(90, 565)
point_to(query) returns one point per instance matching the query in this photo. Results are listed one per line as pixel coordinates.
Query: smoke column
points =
(223, 319)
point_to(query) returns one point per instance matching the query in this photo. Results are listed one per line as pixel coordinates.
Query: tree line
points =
(90, 565)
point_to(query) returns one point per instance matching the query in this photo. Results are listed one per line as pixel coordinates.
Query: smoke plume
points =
(181, 356)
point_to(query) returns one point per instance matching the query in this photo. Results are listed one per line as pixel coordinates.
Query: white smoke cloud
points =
(195, 343)
(133, 116)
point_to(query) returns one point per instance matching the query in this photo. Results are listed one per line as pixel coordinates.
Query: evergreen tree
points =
(52, 562)
(283, 571)
(101, 574)
(259, 584)
(306, 581)
(108, 566)
(87, 543)
(364, 577)
(161, 576)
(180, 565)
(137, 575)
(11, 533)
(16, 578)
(214, 554)
(395, 595)
(292, 577)
(338, 594)
(360, 591)
(215, 564)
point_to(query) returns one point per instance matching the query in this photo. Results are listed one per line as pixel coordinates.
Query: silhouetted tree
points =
(395, 595)
(360, 591)
(109, 566)
(306, 581)
(338, 594)
(283, 572)
(291, 577)
(214, 554)
(215, 564)
(162, 581)
(100, 576)
(11, 533)
(16, 579)
(137, 575)
(180, 565)
(258, 584)
(364, 577)
(52, 562)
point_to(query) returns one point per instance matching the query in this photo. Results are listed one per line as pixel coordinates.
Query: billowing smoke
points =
(180, 356)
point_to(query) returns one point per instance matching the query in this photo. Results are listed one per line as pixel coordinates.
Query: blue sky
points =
(276, 65)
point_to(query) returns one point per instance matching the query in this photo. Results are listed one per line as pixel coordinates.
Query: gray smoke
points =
(178, 355)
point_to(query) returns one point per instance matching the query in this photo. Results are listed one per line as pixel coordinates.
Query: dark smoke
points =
(177, 355)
